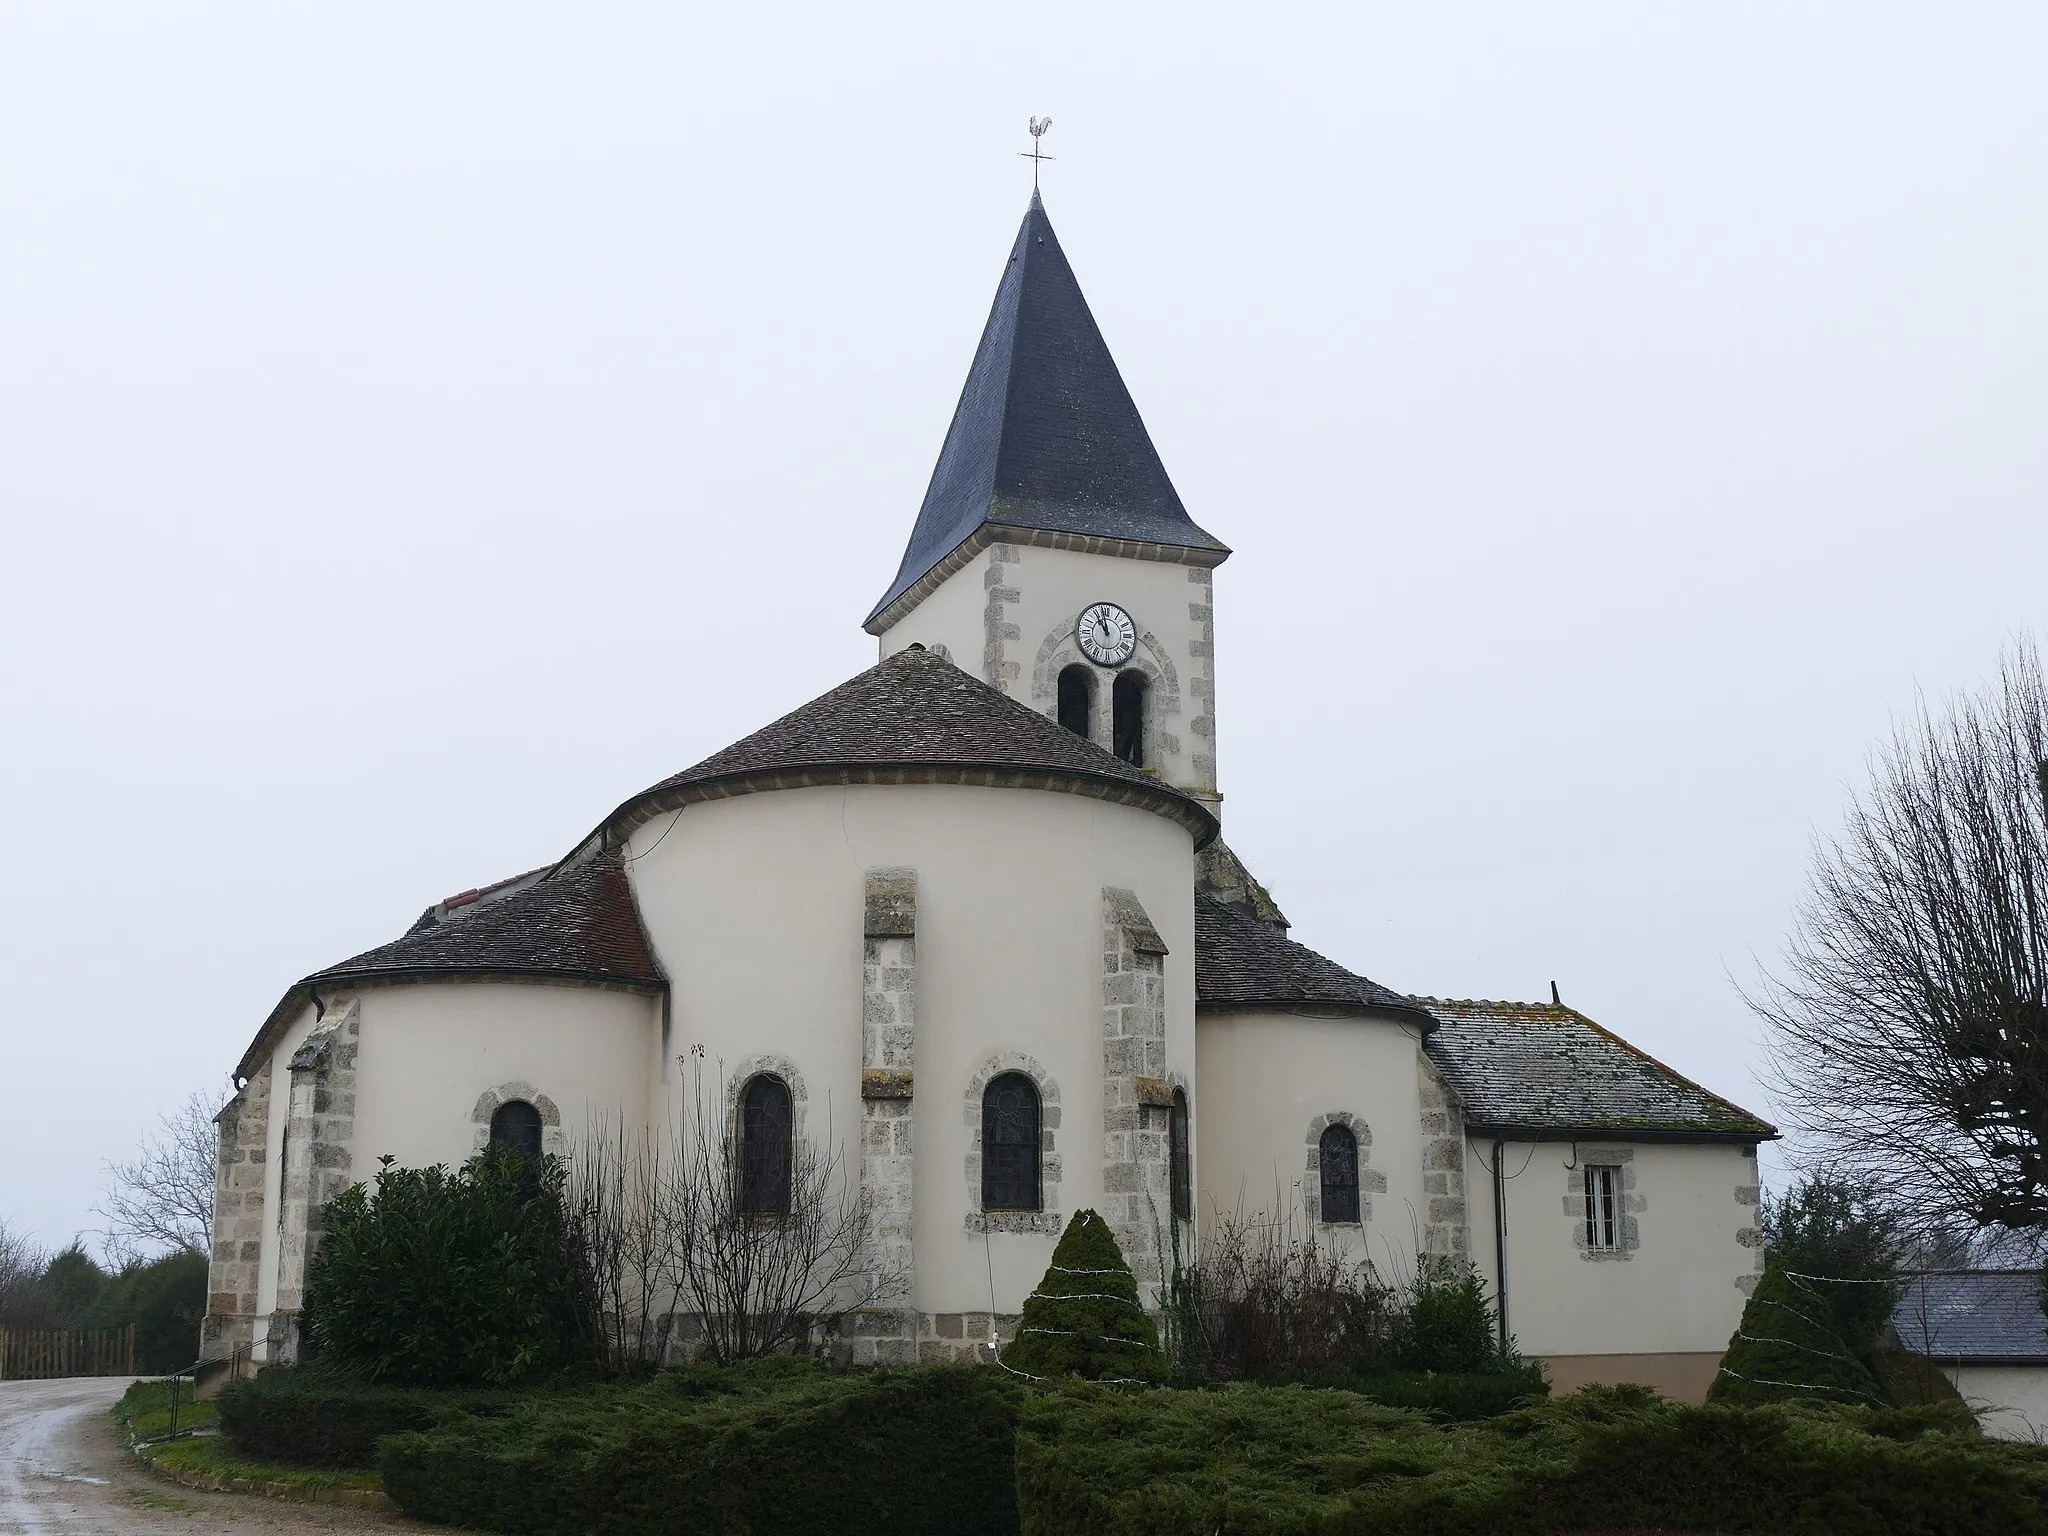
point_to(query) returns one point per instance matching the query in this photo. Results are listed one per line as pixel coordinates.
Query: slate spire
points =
(1045, 437)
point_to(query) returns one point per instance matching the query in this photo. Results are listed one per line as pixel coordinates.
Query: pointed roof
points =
(1046, 439)
(917, 718)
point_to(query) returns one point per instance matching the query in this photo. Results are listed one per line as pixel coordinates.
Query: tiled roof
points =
(577, 922)
(1987, 1315)
(917, 716)
(1046, 435)
(1544, 1068)
(1243, 963)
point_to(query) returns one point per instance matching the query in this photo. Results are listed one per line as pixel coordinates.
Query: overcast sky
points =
(423, 426)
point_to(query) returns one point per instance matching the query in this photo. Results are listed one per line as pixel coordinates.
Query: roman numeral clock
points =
(1105, 634)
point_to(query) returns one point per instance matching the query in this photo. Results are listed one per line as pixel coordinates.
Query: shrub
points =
(1785, 1351)
(434, 1278)
(165, 1300)
(1456, 1396)
(314, 1417)
(1841, 1242)
(1084, 1319)
(1451, 1324)
(777, 1447)
(1266, 1303)
(1289, 1462)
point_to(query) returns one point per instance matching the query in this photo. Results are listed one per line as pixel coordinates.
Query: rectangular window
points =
(1603, 1206)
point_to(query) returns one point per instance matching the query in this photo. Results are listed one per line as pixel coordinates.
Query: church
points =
(969, 918)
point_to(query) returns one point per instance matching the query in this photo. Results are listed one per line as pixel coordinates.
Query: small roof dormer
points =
(1046, 440)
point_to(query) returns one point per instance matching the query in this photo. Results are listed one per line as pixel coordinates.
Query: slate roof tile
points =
(1990, 1315)
(1542, 1067)
(1241, 962)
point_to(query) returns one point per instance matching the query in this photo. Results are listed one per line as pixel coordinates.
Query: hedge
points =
(1289, 1461)
(1456, 1396)
(785, 1447)
(314, 1418)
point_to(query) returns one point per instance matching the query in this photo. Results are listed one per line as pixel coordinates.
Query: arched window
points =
(1009, 1144)
(1182, 1164)
(1127, 703)
(515, 1128)
(1340, 1174)
(766, 1142)
(1077, 699)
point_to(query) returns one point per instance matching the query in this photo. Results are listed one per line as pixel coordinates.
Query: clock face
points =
(1106, 634)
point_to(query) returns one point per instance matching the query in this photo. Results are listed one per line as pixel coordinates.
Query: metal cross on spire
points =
(1038, 127)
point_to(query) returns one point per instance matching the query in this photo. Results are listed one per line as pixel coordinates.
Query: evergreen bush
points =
(433, 1278)
(166, 1301)
(1287, 1461)
(1785, 1350)
(1451, 1324)
(316, 1417)
(779, 1447)
(1085, 1319)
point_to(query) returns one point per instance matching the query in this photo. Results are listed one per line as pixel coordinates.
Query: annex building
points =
(969, 914)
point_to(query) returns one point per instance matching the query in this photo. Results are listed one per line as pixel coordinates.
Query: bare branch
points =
(162, 1198)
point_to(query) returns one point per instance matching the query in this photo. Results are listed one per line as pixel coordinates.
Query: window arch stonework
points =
(1057, 651)
(1047, 1219)
(491, 1100)
(1370, 1180)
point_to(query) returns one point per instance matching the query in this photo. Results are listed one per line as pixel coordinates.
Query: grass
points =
(145, 1410)
(149, 1498)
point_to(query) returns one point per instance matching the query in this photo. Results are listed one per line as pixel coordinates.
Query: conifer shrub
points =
(1085, 1319)
(777, 1447)
(1289, 1461)
(313, 1416)
(1784, 1350)
(1451, 1324)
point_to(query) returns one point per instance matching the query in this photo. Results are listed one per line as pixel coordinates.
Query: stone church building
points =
(970, 916)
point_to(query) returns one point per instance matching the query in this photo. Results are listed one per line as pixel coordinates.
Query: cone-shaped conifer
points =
(1084, 1319)
(1784, 1351)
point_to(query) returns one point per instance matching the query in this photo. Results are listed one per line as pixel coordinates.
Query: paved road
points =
(65, 1471)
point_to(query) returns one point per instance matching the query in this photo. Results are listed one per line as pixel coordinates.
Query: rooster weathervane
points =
(1038, 127)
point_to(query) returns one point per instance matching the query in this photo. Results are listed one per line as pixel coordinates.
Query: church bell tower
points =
(1052, 556)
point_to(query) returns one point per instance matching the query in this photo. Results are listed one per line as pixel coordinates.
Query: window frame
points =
(1003, 1159)
(497, 1140)
(1335, 1135)
(1604, 1207)
(757, 1163)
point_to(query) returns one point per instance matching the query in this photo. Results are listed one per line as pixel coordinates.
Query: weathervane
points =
(1038, 127)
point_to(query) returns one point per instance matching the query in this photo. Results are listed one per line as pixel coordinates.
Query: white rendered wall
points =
(1008, 615)
(1680, 1291)
(1266, 1077)
(428, 1050)
(754, 905)
(2011, 1400)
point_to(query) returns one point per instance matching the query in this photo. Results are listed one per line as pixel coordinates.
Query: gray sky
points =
(421, 427)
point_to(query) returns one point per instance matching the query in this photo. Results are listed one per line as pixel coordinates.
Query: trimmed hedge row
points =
(1458, 1396)
(781, 1447)
(1288, 1461)
(314, 1418)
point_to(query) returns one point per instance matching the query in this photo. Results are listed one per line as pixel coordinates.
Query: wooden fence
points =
(32, 1353)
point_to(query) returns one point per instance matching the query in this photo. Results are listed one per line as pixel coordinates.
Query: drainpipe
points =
(1500, 1238)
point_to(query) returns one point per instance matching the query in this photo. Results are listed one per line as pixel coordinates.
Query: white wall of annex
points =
(2011, 1401)
(755, 903)
(1265, 1077)
(1676, 1294)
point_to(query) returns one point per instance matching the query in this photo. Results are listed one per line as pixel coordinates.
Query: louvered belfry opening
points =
(1009, 1144)
(1077, 700)
(1340, 1174)
(1128, 704)
(766, 1135)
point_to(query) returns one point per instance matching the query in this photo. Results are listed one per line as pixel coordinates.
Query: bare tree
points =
(671, 1237)
(1909, 1034)
(162, 1198)
(22, 1299)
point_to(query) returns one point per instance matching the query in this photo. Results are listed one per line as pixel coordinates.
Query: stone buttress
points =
(1137, 1098)
(319, 1137)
